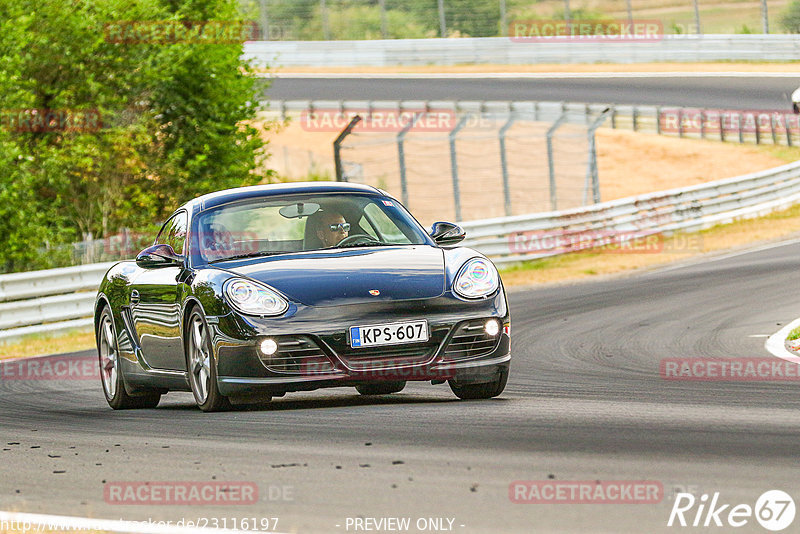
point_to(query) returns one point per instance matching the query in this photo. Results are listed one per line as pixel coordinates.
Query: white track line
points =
(43, 523)
(530, 75)
(775, 342)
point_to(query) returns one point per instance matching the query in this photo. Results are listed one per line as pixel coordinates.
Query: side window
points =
(174, 233)
(383, 224)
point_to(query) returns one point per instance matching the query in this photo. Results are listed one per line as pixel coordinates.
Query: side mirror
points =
(158, 256)
(445, 233)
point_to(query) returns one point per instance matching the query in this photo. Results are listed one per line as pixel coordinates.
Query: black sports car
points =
(253, 292)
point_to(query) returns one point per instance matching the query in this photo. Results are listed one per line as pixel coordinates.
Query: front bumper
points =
(457, 349)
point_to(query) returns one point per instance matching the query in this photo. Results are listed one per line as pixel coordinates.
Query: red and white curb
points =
(776, 343)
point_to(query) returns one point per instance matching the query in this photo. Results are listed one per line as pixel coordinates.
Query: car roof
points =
(218, 198)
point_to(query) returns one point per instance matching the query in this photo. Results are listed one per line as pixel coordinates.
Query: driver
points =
(332, 228)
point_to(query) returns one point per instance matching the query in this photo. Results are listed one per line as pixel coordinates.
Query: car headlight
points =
(254, 299)
(477, 278)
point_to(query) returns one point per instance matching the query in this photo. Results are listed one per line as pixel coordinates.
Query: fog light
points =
(269, 347)
(492, 327)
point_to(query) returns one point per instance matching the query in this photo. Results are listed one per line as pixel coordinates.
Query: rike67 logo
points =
(774, 510)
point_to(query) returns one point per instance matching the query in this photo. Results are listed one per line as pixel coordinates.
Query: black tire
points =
(381, 388)
(111, 370)
(485, 390)
(201, 365)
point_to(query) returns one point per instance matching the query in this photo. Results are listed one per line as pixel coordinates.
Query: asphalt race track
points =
(585, 401)
(714, 92)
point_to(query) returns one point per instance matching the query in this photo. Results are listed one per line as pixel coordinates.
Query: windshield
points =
(268, 225)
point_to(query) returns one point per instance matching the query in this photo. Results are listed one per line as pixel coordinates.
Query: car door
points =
(156, 297)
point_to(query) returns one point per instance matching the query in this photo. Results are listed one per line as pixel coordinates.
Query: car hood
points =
(346, 276)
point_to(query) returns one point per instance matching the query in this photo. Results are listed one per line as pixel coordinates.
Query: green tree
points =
(175, 119)
(790, 20)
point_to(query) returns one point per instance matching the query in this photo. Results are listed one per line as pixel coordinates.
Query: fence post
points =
(550, 162)
(326, 29)
(702, 124)
(741, 133)
(636, 116)
(658, 120)
(697, 17)
(721, 126)
(504, 162)
(264, 20)
(680, 122)
(758, 129)
(503, 19)
(454, 164)
(384, 27)
(772, 127)
(787, 126)
(442, 20)
(401, 154)
(337, 148)
(591, 167)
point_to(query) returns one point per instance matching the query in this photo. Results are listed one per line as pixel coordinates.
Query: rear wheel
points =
(201, 365)
(485, 390)
(381, 388)
(111, 370)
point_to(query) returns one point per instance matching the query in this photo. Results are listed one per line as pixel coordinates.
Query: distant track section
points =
(711, 91)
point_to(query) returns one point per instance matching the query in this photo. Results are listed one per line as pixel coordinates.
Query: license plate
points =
(388, 334)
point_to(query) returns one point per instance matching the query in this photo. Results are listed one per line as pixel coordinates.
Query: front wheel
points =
(201, 366)
(111, 370)
(485, 390)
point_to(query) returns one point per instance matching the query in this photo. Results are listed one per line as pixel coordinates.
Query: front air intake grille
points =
(471, 341)
(388, 357)
(297, 355)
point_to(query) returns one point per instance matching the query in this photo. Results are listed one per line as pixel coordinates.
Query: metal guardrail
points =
(49, 301)
(503, 50)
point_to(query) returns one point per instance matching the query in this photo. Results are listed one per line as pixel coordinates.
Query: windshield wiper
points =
(258, 254)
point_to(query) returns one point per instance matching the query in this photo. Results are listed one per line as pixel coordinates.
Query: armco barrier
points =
(55, 309)
(504, 51)
(49, 301)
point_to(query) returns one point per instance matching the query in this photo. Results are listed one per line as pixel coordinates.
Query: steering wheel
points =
(355, 238)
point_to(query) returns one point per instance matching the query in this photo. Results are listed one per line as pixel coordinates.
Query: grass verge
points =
(40, 345)
(794, 334)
